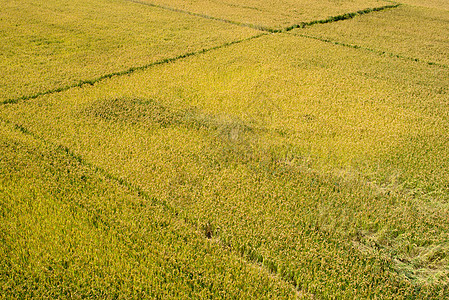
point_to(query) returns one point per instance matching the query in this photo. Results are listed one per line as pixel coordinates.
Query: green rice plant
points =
(69, 231)
(267, 15)
(418, 34)
(53, 45)
(326, 165)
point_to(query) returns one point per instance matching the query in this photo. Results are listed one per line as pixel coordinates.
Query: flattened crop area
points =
(308, 163)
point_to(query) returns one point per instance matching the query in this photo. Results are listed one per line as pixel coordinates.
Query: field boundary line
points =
(128, 71)
(342, 17)
(190, 13)
(330, 19)
(265, 30)
(248, 256)
(376, 51)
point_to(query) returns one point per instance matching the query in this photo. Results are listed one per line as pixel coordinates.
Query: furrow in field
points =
(341, 17)
(71, 230)
(258, 27)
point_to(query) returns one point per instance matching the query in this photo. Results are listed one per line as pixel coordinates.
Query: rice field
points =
(418, 33)
(69, 232)
(268, 14)
(309, 163)
(438, 4)
(49, 45)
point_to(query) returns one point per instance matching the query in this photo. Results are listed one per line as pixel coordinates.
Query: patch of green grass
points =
(304, 157)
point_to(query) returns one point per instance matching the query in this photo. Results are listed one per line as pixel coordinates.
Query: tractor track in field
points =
(249, 25)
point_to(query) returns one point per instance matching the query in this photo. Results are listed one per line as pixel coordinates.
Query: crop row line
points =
(379, 52)
(248, 255)
(130, 70)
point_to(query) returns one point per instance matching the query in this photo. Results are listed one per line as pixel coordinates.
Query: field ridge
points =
(128, 71)
(376, 51)
(341, 17)
(83, 82)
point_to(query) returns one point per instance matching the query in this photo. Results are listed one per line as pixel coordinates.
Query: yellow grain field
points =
(409, 32)
(68, 232)
(166, 150)
(301, 163)
(47, 45)
(271, 14)
(438, 4)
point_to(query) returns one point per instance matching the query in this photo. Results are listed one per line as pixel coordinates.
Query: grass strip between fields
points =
(124, 72)
(342, 17)
(248, 255)
(130, 70)
(379, 52)
(331, 19)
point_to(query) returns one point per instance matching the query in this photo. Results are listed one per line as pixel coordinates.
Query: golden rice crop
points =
(51, 44)
(67, 231)
(411, 32)
(312, 163)
(439, 4)
(272, 14)
(325, 164)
